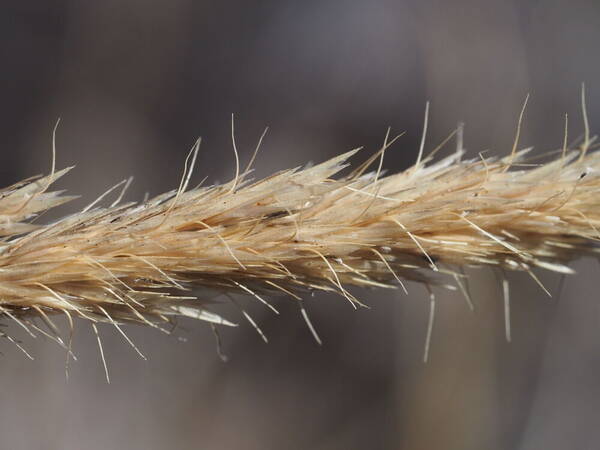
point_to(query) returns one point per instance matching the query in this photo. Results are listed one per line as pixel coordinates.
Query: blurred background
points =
(136, 82)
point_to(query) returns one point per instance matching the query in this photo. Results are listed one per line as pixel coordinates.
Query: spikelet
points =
(300, 229)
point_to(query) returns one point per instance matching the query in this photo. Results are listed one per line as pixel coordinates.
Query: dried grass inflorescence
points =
(297, 230)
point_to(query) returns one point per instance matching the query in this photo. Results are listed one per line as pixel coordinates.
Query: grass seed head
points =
(297, 230)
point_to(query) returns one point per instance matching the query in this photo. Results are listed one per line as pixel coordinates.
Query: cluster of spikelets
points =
(298, 230)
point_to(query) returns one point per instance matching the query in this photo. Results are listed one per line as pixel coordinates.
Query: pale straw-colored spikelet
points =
(300, 229)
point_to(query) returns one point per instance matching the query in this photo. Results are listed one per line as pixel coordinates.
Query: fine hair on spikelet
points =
(303, 229)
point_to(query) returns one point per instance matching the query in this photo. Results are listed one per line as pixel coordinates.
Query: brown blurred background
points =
(136, 82)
